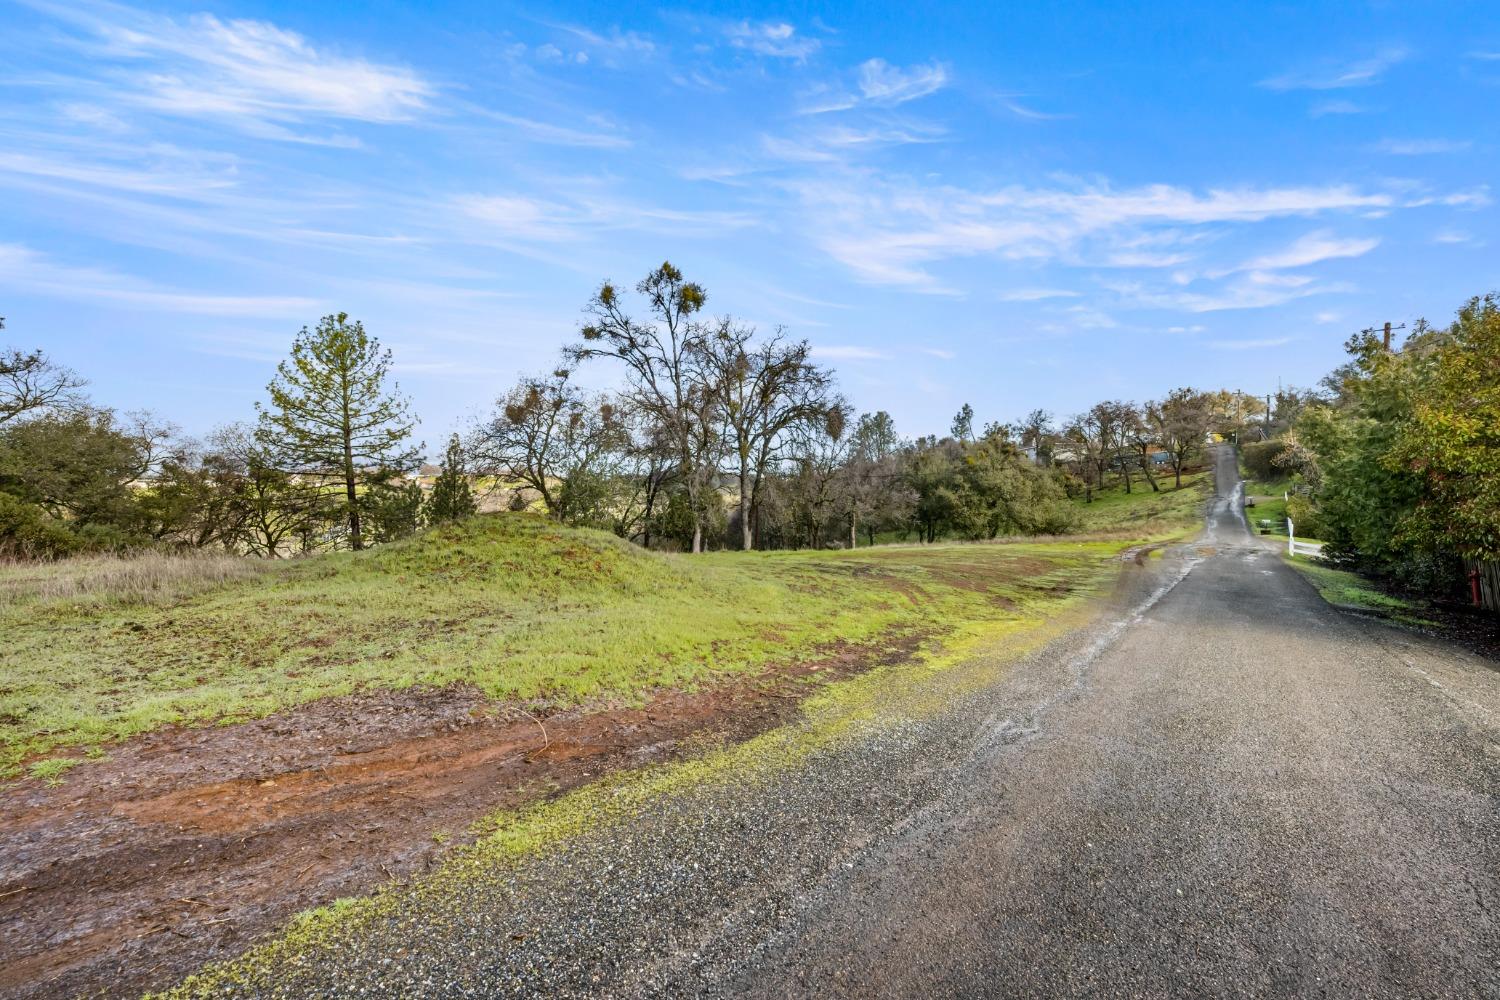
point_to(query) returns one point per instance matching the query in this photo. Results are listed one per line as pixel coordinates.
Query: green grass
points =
(512, 604)
(1270, 505)
(1344, 589)
(1267, 508)
(1114, 510)
(974, 656)
(978, 606)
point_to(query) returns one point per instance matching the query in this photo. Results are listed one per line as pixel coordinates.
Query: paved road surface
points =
(1227, 789)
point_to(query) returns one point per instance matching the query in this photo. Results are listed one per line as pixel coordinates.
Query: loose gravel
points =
(1219, 787)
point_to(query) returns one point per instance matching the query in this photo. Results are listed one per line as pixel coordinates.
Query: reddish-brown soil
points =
(187, 844)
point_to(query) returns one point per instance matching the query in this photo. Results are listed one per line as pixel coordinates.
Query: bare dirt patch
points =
(187, 844)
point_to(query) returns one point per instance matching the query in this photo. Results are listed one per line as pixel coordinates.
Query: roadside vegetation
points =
(149, 577)
(147, 582)
(1144, 511)
(720, 437)
(513, 604)
(523, 609)
(1394, 460)
(1352, 592)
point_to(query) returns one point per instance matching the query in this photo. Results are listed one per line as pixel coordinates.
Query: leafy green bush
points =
(1304, 515)
(28, 532)
(1260, 460)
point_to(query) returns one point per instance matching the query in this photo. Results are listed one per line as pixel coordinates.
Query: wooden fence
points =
(1488, 574)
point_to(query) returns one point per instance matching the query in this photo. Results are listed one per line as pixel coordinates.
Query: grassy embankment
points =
(1352, 592)
(974, 649)
(1269, 500)
(1338, 587)
(513, 604)
(518, 607)
(1116, 511)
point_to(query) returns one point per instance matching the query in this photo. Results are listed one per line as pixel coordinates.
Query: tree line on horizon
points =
(720, 437)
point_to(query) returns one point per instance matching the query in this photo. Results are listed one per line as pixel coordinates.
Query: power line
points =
(1385, 333)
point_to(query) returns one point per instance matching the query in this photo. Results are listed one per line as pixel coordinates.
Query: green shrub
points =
(1304, 515)
(1260, 460)
(28, 532)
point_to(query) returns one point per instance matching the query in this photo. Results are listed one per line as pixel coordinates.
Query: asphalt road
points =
(1224, 789)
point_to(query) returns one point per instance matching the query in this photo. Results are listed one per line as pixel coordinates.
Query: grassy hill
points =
(1141, 510)
(513, 604)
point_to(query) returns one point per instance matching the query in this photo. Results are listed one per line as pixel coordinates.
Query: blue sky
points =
(1014, 205)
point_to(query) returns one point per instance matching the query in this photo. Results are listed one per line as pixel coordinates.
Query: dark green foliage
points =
(332, 416)
(451, 499)
(1261, 460)
(1451, 442)
(963, 424)
(1401, 460)
(28, 532)
(84, 467)
(394, 510)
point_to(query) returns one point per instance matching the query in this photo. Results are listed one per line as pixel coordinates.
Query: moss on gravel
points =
(969, 658)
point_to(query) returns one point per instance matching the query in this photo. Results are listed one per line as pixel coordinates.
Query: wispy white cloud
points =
(1455, 237)
(1031, 114)
(835, 143)
(1337, 76)
(1089, 318)
(1145, 258)
(824, 98)
(1335, 107)
(771, 38)
(1421, 147)
(888, 234)
(613, 48)
(520, 217)
(509, 218)
(25, 270)
(250, 72)
(1253, 290)
(882, 83)
(1478, 197)
(1310, 249)
(558, 135)
(159, 171)
(848, 352)
(1249, 344)
(1036, 294)
(939, 353)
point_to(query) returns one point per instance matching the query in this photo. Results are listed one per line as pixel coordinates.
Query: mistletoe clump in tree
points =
(332, 417)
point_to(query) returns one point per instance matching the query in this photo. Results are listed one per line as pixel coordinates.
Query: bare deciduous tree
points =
(557, 440)
(30, 382)
(662, 359)
(764, 391)
(1181, 423)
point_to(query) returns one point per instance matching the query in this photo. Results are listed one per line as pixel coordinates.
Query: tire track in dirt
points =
(187, 844)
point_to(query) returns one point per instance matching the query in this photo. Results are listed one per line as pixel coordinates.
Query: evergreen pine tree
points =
(331, 415)
(451, 499)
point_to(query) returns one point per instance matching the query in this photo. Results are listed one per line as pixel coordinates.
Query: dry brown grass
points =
(147, 578)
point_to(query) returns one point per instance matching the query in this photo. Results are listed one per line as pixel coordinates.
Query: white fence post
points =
(1291, 539)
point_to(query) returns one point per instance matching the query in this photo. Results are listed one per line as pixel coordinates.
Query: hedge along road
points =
(1224, 787)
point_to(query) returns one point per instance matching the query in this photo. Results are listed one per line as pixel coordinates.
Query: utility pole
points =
(1385, 338)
